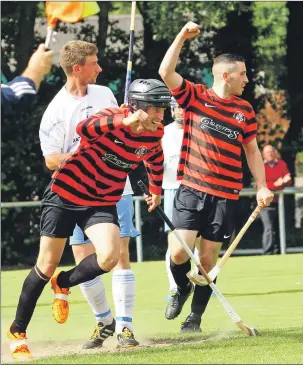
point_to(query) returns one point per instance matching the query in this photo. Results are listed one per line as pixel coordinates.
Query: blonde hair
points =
(75, 53)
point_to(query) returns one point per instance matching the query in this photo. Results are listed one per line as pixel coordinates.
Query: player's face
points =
(90, 70)
(237, 79)
(156, 116)
(177, 113)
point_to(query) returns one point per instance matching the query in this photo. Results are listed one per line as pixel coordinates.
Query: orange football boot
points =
(18, 346)
(60, 305)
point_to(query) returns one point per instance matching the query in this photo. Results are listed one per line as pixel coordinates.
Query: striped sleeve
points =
(102, 122)
(250, 129)
(18, 95)
(186, 93)
(154, 164)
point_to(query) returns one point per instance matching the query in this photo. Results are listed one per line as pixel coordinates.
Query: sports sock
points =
(86, 270)
(31, 290)
(201, 298)
(94, 293)
(171, 280)
(124, 292)
(179, 273)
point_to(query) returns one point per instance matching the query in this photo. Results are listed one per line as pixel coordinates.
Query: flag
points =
(69, 11)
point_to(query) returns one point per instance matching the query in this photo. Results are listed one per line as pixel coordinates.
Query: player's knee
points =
(179, 256)
(107, 262)
(207, 262)
(47, 268)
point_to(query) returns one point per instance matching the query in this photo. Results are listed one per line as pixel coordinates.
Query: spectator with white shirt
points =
(171, 144)
(77, 100)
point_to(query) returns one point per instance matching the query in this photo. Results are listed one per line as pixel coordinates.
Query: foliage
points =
(223, 26)
(270, 20)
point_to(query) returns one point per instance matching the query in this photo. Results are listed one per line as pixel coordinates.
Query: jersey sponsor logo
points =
(141, 151)
(239, 116)
(114, 159)
(210, 105)
(208, 123)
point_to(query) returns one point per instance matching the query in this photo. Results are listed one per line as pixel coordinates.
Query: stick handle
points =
(130, 51)
(159, 210)
(235, 242)
(49, 37)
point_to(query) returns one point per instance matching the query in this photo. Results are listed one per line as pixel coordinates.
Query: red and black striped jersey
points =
(95, 174)
(214, 131)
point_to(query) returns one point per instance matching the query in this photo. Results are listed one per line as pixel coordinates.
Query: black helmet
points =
(149, 92)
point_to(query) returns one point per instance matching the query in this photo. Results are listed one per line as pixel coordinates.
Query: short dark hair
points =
(228, 58)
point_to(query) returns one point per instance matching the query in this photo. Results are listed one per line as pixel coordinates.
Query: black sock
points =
(179, 273)
(32, 288)
(87, 269)
(201, 298)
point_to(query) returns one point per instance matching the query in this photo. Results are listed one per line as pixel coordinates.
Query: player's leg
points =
(217, 223)
(51, 249)
(123, 283)
(101, 226)
(186, 220)
(208, 255)
(169, 195)
(94, 293)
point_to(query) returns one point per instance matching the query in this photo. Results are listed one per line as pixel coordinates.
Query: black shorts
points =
(59, 216)
(211, 216)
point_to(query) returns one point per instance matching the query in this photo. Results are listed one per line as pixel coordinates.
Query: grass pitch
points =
(266, 291)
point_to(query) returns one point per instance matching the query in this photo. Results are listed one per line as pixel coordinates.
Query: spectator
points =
(277, 177)
(20, 93)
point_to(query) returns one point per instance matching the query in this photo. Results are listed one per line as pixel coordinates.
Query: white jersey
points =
(57, 131)
(171, 144)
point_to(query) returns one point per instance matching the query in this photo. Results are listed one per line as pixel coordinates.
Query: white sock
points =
(124, 292)
(94, 292)
(171, 280)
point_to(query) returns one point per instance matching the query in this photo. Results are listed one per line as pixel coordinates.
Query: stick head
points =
(250, 331)
(196, 278)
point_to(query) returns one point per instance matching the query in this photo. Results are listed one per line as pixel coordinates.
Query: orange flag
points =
(69, 11)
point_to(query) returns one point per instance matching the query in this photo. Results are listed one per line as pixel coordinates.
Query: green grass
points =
(266, 291)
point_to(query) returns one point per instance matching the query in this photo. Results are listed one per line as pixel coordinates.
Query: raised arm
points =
(168, 65)
(102, 122)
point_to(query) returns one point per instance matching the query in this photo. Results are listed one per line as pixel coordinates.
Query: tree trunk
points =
(293, 139)
(105, 7)
(237, 38)
(25, 37)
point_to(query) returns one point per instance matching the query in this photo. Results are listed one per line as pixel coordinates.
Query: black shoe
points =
(126, 338)
(176, 302)
(191, 324)
(100, 334)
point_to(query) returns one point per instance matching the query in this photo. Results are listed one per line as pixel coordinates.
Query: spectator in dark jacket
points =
(20, 93)
(277, 177)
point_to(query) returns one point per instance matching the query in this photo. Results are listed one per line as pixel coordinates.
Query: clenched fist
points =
(190, 30)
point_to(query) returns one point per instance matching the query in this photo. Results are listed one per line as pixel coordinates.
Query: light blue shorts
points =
(125, 209)
(169, 195)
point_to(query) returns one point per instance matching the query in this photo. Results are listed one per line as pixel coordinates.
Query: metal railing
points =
(138, 220)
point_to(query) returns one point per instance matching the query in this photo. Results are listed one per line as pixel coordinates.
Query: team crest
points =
(239, 116)
(141, 151)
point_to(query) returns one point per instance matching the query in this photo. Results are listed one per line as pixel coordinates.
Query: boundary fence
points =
(244, 192)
